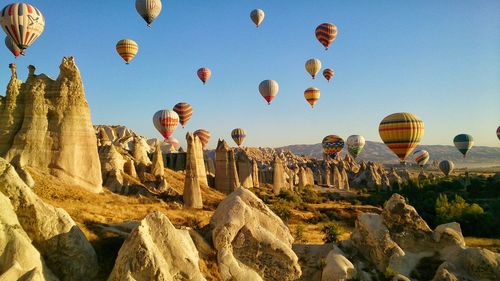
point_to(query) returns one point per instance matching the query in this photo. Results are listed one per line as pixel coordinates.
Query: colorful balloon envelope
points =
(269, 89)
(332, 145)
(13, 48)
(23, 23)
(421, 157)
(166, 121)
(326, 34)
(185, 111)
(446, 166)
(127, 49)
(238, 136)
(204, 74)
(328, 74)
(355, 144)
(173, 142)
(463, 143)
(148, 9)
(312, 95)
(257, 16)
(313, 66)
(401, 132)
(203, 135)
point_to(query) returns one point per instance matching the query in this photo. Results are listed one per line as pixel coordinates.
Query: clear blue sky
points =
(437, 59)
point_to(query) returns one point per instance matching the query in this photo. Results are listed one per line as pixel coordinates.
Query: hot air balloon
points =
(269, 89)
(463, 143)
(328, 74)
(13, 48)
(173, 142)
(23, 23)
(185, 111)
(355, 144)
(238, 136)
(148, 9)
(166, 121)
(203, 135)
(204, 74)
(257, 16)
(421, 157)
(332, 145)
(313, 66)
(401, 132)
(446, 166)
(312, 95)
(498, 132)
(127, 49)
(326, 33)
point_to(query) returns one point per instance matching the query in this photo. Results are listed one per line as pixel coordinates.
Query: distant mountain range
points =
(378, 152)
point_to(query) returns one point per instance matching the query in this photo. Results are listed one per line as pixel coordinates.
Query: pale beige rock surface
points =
(278, 171)
(192, 192)
(337, 267)
(157, 166)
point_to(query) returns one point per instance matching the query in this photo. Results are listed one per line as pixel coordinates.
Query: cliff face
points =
(46, 124)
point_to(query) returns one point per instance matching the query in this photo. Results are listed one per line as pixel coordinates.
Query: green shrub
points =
(457, 210)
(299, 233)
(332, 232)
(290, 196)
(282, 211)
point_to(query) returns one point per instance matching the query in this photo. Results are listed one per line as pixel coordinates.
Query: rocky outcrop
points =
(60, 241)
(338, 267)
(156, 250)
(255, 173)
(252, 243)
(244, 170)
(192, 191)
(46, 124)
(226, 173)
(278, 171)
(157, 166)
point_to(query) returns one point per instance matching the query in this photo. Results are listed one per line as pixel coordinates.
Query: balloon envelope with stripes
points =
(313, 66)
(326, 34)
(148, 9)
(13, 48)
(268, 90)
(446, 166)
(401, 132)
(173, 142)
(127, 49)
(328, 74)
(463, 143)
(185, 111)
(332, 145)
(203, 135)
(421, 156)
(204, 74)
(238, 135)
(166, 121)
(23, 23)
(312, 95)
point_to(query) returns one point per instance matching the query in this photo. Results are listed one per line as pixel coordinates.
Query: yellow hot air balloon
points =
(313, 66)
(312, 95)
(127, 49)
(401, 132)
(23, 23)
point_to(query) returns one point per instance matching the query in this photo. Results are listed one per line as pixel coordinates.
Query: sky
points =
(437, 59)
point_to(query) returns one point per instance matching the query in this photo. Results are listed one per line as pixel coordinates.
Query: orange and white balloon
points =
(166, 121)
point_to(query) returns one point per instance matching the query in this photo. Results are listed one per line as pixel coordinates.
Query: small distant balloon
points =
(185, 111)
(446, 166)
(401, 132)
(463, 143)
(328, 74)
(326, 34)
(238, 136)
(313, 66)
(127, 49)
(148, 9)
(312, 95)
(204, 74)
(23, 23)
(173, 142)
(166, 121)
(203, 135)
(257, 16)
(421, 156)
(269, 89)
(355, 144)
(332, 145)
(498, 132)
(13, 48)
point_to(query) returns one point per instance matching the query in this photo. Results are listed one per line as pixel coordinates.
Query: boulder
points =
(60, 241)
(252, 242)
(481, 264)
(338, 267)
(156, 250)
(46, 123)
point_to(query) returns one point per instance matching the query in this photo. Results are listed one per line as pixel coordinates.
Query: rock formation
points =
(338, 267)
(156, 250)
(46, 124)
(255, 174)
(252, 243)
(226, 174)
(192, 191)
(244, 170)
(277, 175)
(157, 166)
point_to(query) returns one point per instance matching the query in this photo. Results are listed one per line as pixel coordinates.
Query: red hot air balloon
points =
(204, 74)
(185, 111)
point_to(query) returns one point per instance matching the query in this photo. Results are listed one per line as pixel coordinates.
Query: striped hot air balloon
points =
(355, 144)
(269, 89)
(23, 23)
(148, 9)
(421, 157)
(257, 16)
(326, 33)
(312, 95)
(203, 135)
(185, 111)
(313, 66)
(328, 74)
(446, 166)
(204, 74)
(13, 48)
(166, 121)
(238, 136)
(401, 132)
(127, 49)
(332, 145)
(463, 143)
(173, 142)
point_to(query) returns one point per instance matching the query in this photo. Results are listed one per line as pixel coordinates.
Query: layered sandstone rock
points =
(46, 124)
(278, 171)
(226, 173)
(192, 191)
(244, 170)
